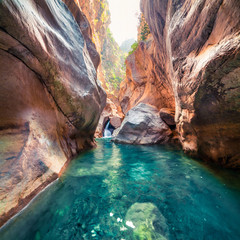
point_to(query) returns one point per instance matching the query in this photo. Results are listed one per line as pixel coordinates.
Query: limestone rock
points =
(50, 99)
(197, 45)
(143, 125)
(147, 222)
(167, 115)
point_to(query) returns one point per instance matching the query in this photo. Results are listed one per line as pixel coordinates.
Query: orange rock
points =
(144, 81)
(112, 113)
(50, 98)
(198, 52)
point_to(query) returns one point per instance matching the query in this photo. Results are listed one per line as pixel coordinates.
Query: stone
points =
(50, 98)
(143, 125)
(197, 48)
(116, 121)
(146, 221)
(110, 111)
(167, 115)
(144, 80)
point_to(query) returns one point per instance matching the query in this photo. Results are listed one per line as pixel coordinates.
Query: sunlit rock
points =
(144, 80)
(50, 99)
(197, 48)
(143, 125)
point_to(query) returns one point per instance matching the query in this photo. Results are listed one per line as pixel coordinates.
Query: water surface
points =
(91, 199)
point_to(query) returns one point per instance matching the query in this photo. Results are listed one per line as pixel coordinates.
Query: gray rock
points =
(143, 125)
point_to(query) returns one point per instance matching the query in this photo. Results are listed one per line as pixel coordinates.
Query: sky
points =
(124, 19)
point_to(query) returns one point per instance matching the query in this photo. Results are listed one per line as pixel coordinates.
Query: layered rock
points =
(143, 125)
(97, 13)
(196, 51)
(145, 81)
(110, 71)
(50, 99)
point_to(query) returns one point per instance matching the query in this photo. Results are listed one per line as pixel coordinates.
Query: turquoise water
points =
(92, 198)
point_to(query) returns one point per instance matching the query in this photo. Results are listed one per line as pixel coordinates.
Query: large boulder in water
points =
(143, 125)
(146, 221)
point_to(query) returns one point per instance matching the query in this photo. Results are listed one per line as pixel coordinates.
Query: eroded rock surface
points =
(143, 125)
(168, 115)
(50, 99)
(197, 45)
(144, 80)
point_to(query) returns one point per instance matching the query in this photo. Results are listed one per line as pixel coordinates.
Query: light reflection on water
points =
(165, 195)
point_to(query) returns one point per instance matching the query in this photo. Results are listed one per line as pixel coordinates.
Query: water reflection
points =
(154, 184)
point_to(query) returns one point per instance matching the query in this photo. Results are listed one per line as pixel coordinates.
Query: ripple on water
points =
(165, 195)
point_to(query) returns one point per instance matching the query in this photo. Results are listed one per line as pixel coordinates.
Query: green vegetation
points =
(113, 63)
(144, 29)
(126, 45)
(143, 33)
(133, 48)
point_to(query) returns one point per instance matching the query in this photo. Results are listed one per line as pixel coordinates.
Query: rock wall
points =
(50, 99)
(197, 46)
(110, 72)
(97, 13)
(145, 81)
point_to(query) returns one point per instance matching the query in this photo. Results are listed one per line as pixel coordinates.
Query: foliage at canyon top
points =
(111, 70)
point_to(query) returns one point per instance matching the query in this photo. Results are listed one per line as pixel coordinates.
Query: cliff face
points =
(197, 46)
(97, 13)
(50, 99)
(110, 71)
(145, 81)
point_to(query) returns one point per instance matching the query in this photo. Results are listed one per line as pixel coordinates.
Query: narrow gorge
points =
(136, 141)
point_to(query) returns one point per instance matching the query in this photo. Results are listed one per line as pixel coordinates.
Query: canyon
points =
(182, 85)
(190, 64)
(50, 98)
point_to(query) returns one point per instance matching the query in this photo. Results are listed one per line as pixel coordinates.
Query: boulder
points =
(167, 115)
(143, 125)
(146, 221)
(116, 121)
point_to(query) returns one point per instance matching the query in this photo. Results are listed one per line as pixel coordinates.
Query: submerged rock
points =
(143, 125)
(146, 221)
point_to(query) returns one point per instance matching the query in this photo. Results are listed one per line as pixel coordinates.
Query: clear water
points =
(91, 199)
